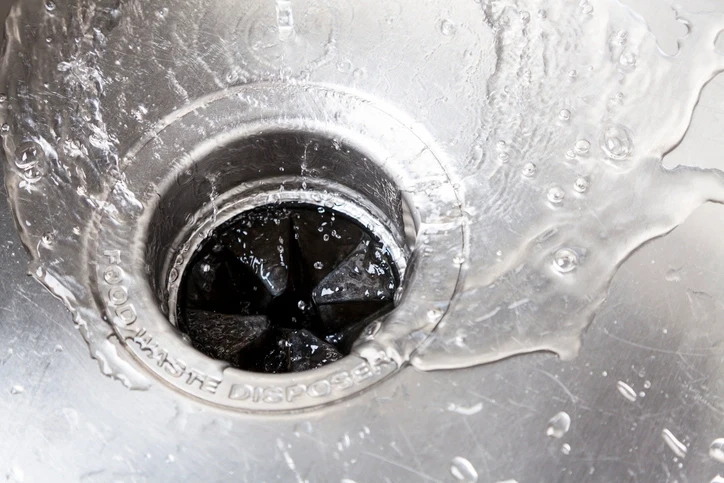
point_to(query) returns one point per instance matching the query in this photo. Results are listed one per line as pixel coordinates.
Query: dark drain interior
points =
(285, 288)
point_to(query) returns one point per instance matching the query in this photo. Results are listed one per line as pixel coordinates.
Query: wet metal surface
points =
(643, 401)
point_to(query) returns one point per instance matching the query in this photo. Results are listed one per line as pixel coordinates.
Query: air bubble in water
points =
(616, 141)
(556, 195)
(564, 115)
(566, 449)
(581, 185)
(529, 170)
(627, 59)
(716, 450)
(5, 128)
(301, 305)
(3, 98)
(48, 239)
(318, 265)
(49, 5)
(626, 391)
(558, 425)
(27, 156)
(463, 470)
(565, 260)
(17, 389)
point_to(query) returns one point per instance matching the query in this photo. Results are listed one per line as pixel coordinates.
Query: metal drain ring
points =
(124, 282)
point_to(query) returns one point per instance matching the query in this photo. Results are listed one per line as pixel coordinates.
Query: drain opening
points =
(285, 288)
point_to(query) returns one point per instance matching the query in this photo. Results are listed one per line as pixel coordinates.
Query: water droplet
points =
(325, 237)
(17, 389)
(504, 157)
(587, 8)
(501, 145)
(566, 449)
(525, 16)
(344, 66)
(447, 27)
(558, 425)
(49, 5)
(565, 260)
(3, 98)
(556, 195)
(582, 146)
(647, 384)
(529, 170)
(434, 314)
(564, 115)
(626, 391)
(459, 260)
(542, 13)
(673, 443)
(318, 265)
(5, 128)
(463, 470)
(301, 305)
(627, 59)
(716, 450)
(581, 185)
(572, 73)
(616, 141)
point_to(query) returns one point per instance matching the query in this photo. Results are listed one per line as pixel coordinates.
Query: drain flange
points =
(233, 153)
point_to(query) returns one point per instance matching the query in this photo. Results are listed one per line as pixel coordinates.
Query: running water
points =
(558, 113)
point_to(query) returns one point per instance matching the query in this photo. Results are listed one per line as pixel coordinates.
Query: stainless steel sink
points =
(371, 84)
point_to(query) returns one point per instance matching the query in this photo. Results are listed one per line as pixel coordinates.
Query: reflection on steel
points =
(391, 84)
